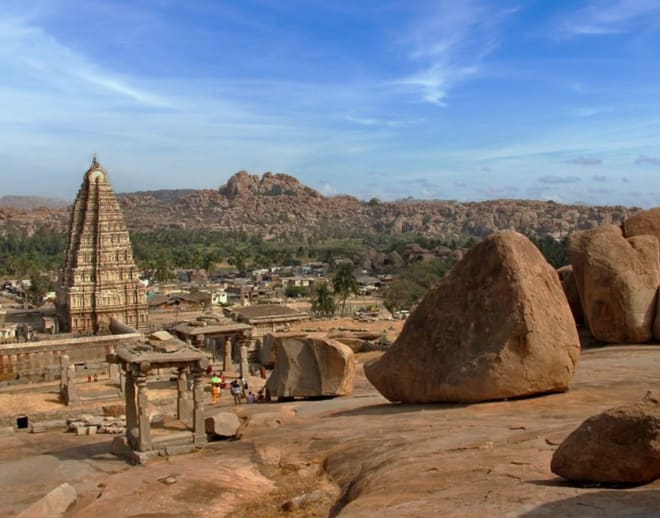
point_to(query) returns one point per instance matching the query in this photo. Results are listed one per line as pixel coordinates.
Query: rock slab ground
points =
(497, 326)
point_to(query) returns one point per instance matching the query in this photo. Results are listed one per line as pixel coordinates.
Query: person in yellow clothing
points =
(215, 393)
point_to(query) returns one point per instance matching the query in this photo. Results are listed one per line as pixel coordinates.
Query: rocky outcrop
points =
(53, 504)
(497, 326)
(619, 446)
(243, 183)
(617, 279)
(278, 204)
(311, 367)
(569, 285)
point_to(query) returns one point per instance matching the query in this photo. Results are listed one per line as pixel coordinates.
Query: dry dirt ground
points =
(356, 456)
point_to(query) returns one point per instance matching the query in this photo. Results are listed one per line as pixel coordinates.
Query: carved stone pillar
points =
(199, 432)
(131, 409)
(184, 398)
(144, 438)
(227, 365)
(244, 360)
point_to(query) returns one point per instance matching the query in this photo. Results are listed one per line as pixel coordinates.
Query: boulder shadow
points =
(396, 408)
(610, 503)
(97, 451)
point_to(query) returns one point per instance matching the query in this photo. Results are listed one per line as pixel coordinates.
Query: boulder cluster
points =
(612, 283)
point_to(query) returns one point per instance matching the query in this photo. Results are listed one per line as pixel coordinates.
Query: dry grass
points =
(290, 484)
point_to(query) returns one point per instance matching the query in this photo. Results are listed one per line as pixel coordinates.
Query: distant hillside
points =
(164, 195)
(276, 205)
(32, 202)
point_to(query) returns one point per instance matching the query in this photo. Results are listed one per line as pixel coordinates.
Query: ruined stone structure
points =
(98, 278)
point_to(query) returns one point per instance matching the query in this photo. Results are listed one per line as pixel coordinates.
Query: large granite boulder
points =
(619, 446)
(496, 326)
(268, 349)
(645, 222)
(222, 424)
(569, 285)
(309, 367)
(617, 279)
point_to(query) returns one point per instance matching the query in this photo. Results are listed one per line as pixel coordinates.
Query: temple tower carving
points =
(98, 279)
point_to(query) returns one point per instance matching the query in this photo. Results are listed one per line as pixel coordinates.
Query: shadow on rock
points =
(397, 408)
(611, 503)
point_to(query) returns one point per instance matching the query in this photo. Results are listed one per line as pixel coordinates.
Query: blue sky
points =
(447, 99)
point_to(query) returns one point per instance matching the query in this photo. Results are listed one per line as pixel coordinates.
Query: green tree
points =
(345, 284)
(39, 286)
(323, 303)
(408, 289)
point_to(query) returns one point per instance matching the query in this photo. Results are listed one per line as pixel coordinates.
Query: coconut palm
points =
(345, 284)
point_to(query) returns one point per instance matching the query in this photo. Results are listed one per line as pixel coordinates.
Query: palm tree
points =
(323, 303)
(345, 284)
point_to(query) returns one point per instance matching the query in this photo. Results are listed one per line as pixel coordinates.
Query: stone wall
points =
(40, 361)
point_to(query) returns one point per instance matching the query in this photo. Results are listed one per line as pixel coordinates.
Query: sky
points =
(443, 99)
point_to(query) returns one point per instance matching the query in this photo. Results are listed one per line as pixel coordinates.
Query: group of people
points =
(237, 388)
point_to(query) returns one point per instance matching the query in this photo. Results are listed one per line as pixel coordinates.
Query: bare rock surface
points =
(367, 457)
(618, 446)
(310, 367)
(497, 326)
(617, 279)
(52, 505)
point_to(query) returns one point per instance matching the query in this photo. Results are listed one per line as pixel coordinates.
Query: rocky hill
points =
(278, 204)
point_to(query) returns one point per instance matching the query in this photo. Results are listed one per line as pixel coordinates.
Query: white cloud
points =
(610, 16)
(371, 121)
(448, 46)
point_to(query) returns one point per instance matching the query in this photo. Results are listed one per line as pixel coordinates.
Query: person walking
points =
(236, 392)
(215, 393)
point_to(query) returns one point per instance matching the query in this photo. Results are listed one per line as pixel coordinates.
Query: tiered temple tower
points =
(98, 279)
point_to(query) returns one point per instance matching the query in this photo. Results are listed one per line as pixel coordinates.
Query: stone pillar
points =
(64, 372)
(227, 365)
(144, 426)
(183, 402)
(131, 409)
(244, 360)
(199, 432)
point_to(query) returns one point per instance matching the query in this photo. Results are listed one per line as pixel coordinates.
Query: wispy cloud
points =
(609, 16)
(372, 121)
(30, 52)
(584, 161)
(448, 46)
(559, 179)
(647, 160)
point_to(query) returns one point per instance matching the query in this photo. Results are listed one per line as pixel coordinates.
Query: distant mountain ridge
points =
(31, 202)
(278, 205)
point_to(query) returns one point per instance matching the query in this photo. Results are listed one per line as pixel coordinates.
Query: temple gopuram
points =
(98, 279)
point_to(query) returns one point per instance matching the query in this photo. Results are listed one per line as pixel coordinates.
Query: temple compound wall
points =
(40, 361)
(98, 279)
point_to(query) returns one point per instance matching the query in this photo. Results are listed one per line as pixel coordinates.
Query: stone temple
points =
(98, 279)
